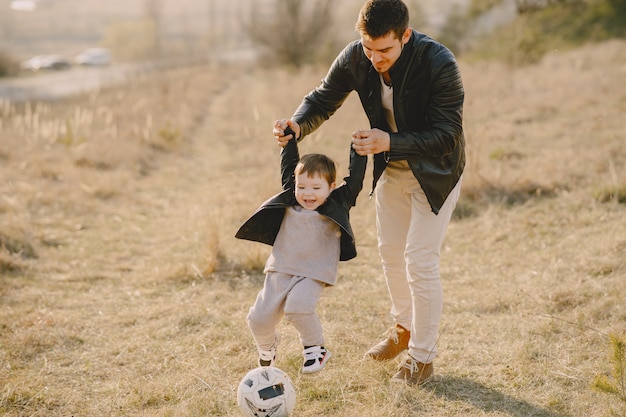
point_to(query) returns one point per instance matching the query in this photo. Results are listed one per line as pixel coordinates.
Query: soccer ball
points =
(266, 392)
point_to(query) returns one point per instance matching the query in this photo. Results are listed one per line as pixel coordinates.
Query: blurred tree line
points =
(297, 33)
(301, 32)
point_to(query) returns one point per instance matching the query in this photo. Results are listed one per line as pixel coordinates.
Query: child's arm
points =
(353, 183)
(289, 158)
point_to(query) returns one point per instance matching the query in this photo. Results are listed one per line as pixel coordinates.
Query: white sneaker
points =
(268, 357)
(315, 358)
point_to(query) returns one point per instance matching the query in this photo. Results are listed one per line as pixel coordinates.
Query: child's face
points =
(312, 191)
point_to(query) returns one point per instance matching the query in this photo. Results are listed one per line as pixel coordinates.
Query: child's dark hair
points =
(379, 17)
(315, 163)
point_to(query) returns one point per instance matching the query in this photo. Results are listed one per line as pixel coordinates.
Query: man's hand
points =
(279, 131)
(369, 142)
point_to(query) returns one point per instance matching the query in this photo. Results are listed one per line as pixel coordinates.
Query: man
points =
(411, 90)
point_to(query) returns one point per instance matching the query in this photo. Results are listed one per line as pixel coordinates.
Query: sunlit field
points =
(124, 293)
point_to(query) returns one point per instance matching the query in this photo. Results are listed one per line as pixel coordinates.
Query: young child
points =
(309, 228)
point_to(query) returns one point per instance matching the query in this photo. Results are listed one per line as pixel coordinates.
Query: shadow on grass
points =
(485, 398)
(474, 199)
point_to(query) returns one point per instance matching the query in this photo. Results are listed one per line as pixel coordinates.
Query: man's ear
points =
(333, 185)
(406, 35)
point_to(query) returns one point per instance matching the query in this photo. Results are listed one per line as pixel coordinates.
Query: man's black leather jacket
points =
(264, 224)
(428, 100)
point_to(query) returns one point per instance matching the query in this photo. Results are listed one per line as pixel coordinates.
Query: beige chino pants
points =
(410, 236)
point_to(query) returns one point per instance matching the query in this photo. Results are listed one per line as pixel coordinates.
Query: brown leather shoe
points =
(412, 372)
(396, 342)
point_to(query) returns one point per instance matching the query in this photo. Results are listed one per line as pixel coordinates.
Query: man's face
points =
(383, 52)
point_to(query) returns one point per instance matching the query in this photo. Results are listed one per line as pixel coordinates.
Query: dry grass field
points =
(124, 293)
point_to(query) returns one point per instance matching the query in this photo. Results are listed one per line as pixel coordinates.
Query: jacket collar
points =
(404, 59)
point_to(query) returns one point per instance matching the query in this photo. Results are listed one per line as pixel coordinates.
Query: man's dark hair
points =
(379, 17)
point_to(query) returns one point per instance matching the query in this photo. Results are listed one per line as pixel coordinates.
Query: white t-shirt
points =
(387, 98)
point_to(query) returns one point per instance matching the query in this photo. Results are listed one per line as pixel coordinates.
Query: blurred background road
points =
(59, 84)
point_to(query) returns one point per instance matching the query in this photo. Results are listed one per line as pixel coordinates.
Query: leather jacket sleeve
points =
(289, 158)
(353, 183)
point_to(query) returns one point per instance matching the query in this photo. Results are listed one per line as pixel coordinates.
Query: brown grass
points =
(134, 300)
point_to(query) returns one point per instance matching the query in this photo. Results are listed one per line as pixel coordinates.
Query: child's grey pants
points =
(291, 296)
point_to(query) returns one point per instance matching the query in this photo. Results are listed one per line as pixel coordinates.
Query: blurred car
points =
(46, 62)
(93, 57)
(23, 5)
